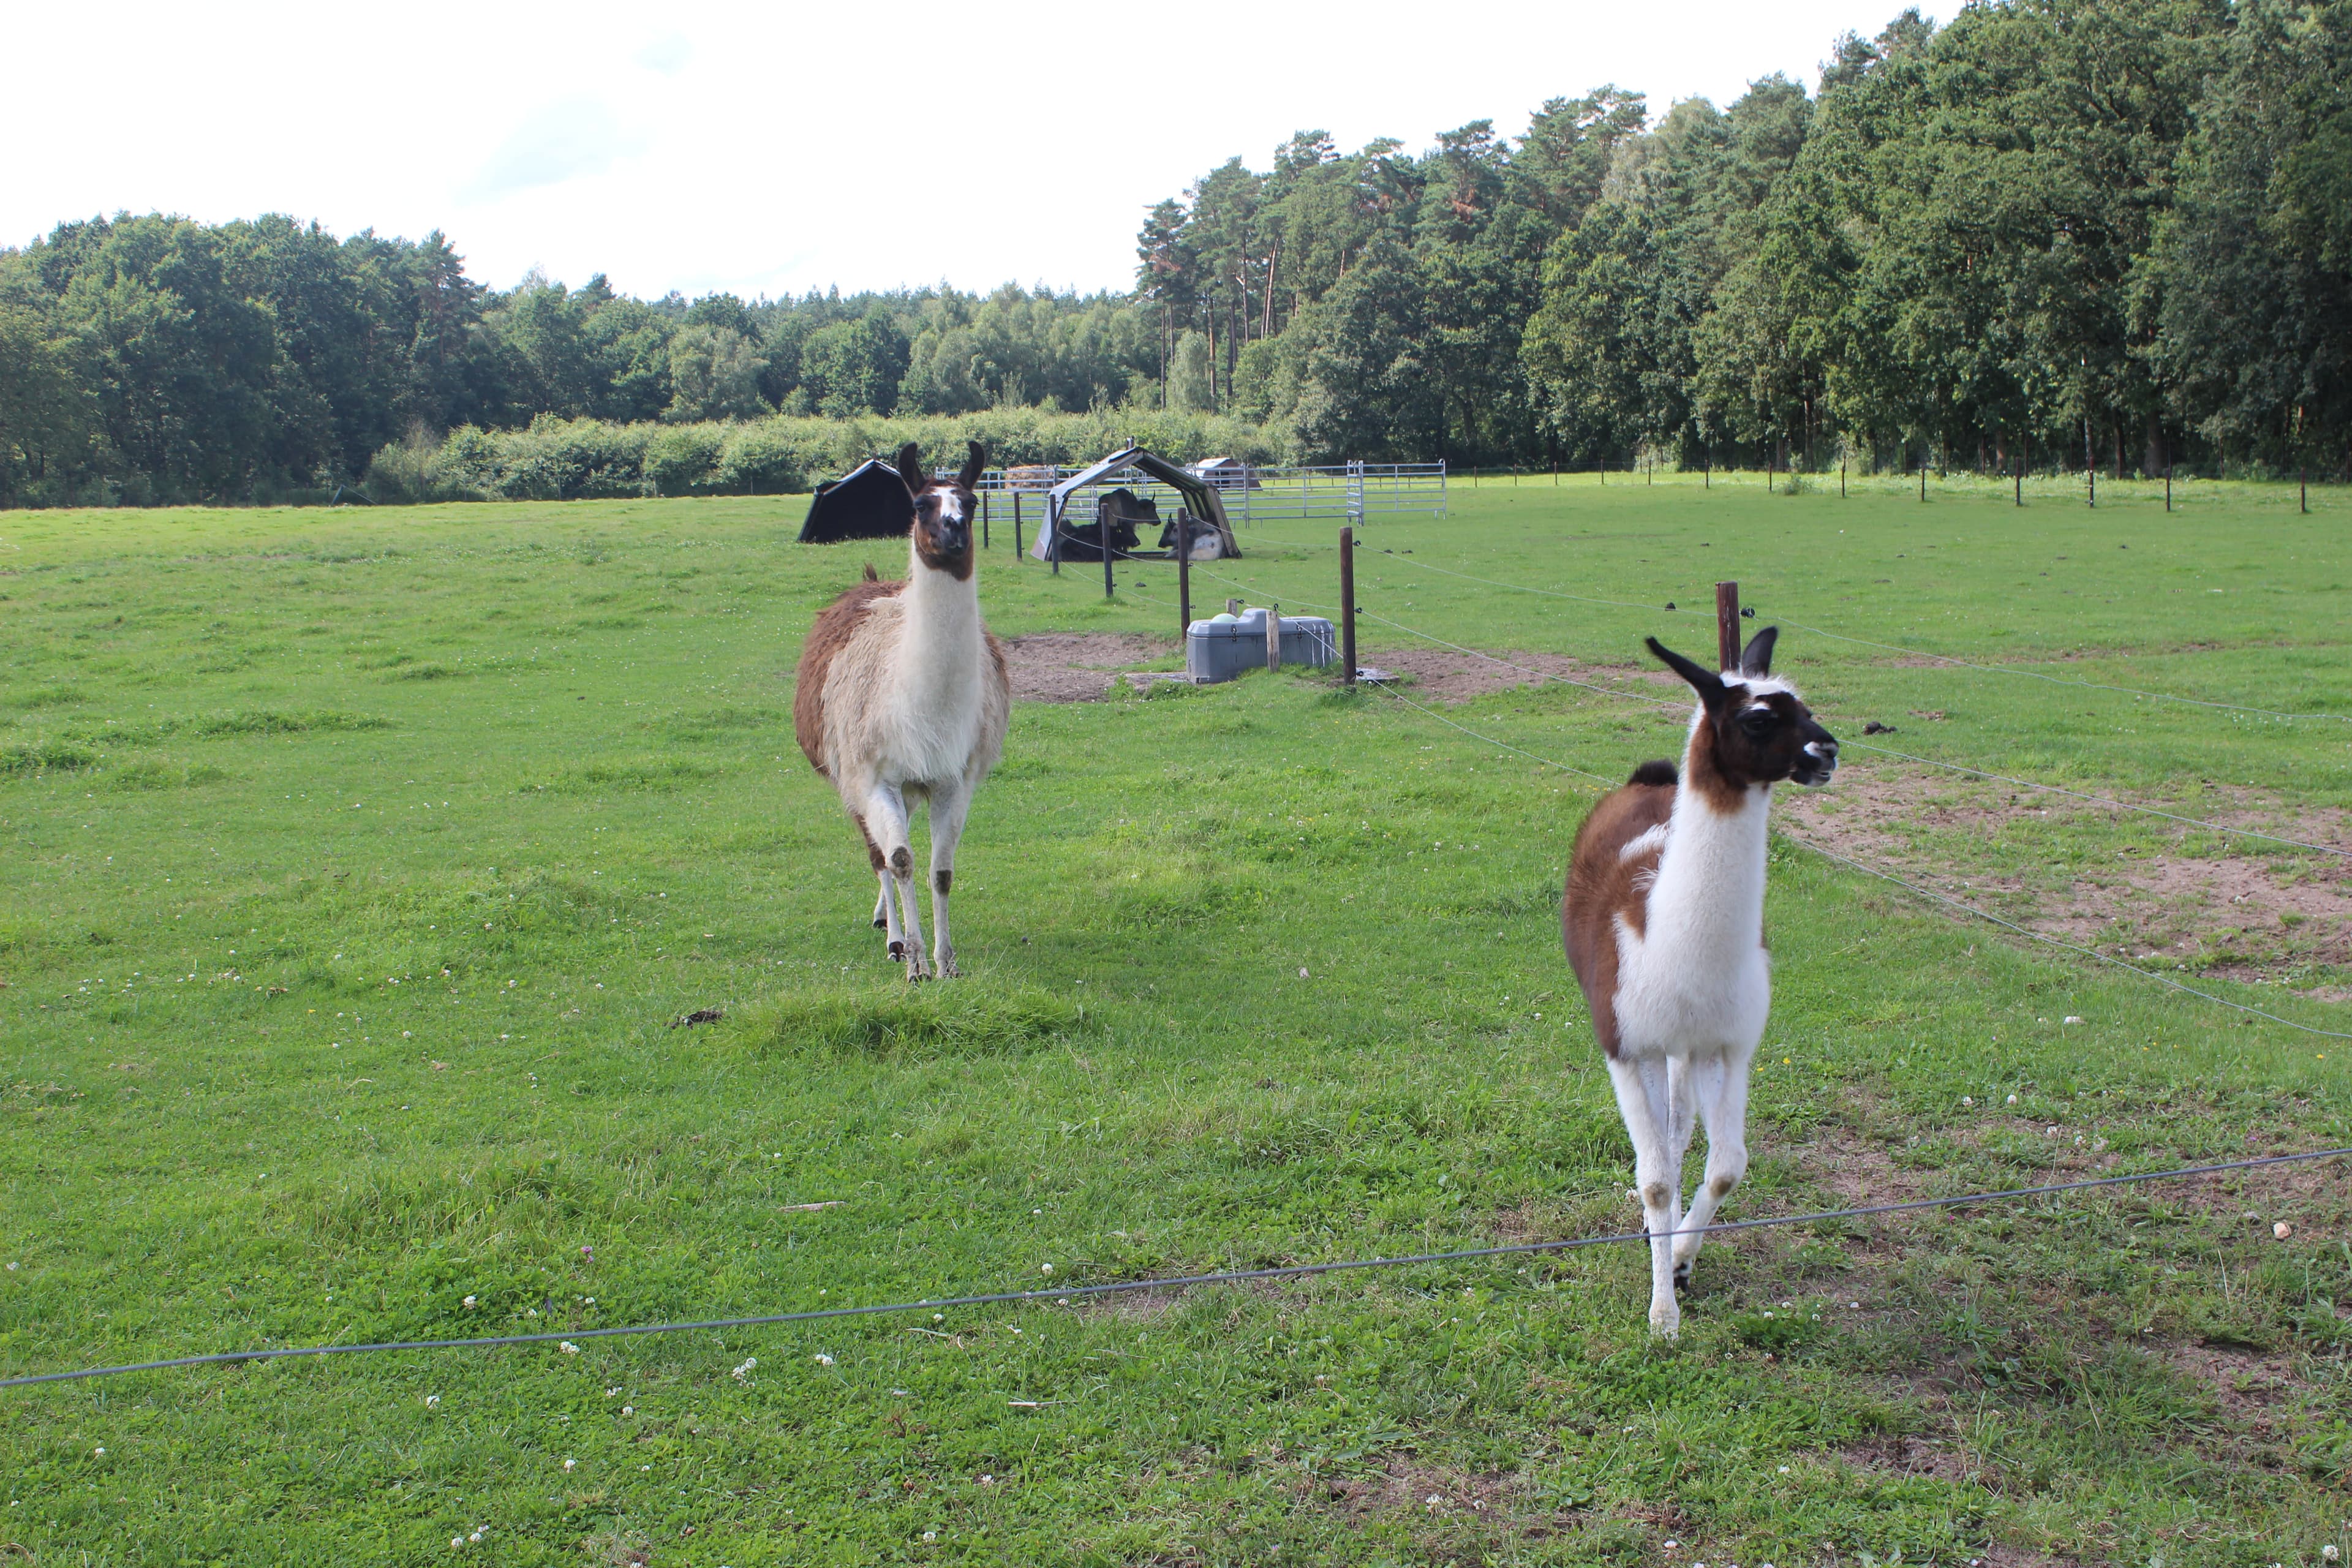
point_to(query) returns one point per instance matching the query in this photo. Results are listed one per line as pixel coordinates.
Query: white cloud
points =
(559, 141)
(666, 54)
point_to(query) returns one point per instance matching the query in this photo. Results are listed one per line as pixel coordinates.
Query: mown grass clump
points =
(898, 1024)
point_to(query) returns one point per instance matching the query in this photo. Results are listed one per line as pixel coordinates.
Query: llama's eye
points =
(1758, 722)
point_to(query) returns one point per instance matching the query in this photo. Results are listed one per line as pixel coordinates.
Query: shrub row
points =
(568, 460)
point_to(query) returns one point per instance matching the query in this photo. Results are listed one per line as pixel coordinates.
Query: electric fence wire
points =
(1892, 647)
(1925, 893)
(2061, 681)
(1063, 1295)
(1862, 745)
(1931, 893)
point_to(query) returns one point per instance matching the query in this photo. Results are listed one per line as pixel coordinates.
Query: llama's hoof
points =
(946, 967)
(1665, 1321)
(881, 924)
(897, 952)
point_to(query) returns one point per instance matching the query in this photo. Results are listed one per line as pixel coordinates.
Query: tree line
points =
(2063, 233)
(156, 359)
(2056, 233)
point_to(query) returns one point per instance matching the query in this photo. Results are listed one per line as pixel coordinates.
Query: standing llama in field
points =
(903, 696)
(1664, 927)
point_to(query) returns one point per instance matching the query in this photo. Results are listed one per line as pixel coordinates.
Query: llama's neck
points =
(942, 641)
(1709, 890)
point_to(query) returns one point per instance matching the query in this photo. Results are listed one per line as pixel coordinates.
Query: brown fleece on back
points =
(1603, 884)
(835, 624)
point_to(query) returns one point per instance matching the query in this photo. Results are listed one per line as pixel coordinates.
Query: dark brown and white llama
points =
(903, 697)
(1664, 927)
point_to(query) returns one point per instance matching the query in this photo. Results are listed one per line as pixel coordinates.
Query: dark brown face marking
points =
(944, 510)
(942, 879)
(1750, 737)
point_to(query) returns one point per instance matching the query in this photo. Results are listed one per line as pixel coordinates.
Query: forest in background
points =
(2054, 232)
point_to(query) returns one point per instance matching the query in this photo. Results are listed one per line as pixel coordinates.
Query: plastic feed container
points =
(1223, 646)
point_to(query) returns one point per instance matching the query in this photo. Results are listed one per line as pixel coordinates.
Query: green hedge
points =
(568, 460)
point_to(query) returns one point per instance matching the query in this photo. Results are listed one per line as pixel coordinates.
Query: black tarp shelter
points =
(870, 501)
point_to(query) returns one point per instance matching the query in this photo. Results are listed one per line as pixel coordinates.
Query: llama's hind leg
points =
(1684, 1083)
(1723, 1104)
(1642, 1100)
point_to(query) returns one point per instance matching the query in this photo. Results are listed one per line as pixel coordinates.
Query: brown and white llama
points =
(903, 697)
(1664, 927)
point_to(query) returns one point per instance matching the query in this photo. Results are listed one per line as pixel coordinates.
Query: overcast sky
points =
(770, 149)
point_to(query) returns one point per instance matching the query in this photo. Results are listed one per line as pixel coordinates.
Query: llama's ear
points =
(1703, 680)
(910, 468)
(973, 467)
(1758, 658)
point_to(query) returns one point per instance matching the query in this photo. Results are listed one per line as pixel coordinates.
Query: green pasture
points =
(355, 865)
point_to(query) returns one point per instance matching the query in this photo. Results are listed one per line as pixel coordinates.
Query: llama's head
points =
(1761, 730)
(944, 509)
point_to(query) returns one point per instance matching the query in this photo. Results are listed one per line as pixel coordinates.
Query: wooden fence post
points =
(1016, 525)
(1348, 603)
(1727, 624)
(1274, 636)
(1184, 573)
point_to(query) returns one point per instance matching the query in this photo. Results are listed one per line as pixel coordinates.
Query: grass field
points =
(354, 865)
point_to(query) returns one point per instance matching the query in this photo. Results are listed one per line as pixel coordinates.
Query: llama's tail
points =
(1661, 771)
(871, 575)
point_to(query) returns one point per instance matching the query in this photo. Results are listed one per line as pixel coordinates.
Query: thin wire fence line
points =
(2059, 942)
(1892, 647)
(1563, 767)
(2100, 799)
(1861, 746)
(2061, 681)
(1941, 897)
(1858, 745)
(1180, 1282)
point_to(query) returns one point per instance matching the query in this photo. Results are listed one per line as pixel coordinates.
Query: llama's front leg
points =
(1723, 1102)
(885, 820)
(948, 811)
(1642, 1100)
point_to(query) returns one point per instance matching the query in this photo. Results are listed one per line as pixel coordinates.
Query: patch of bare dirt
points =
(1913, 1456)
(1077, 667)
(1452, 677)
(1422, 1488)
(2240, 917)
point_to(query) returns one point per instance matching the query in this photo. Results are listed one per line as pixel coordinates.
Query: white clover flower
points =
(471, 1301)
(571, 1463)
(432, 1402)
(2012, 1100)
(628, 1410)
(1045, 1268)
(567, 1348)
(456, 1540)
(98, 1453)
(930, 1535)
(823, 1359)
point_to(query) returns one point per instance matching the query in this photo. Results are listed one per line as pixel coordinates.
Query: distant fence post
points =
(1347, 602)
(1727, 624)
(983, 519)
(1274, 636)
(1016, 525)
(1183, 573)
